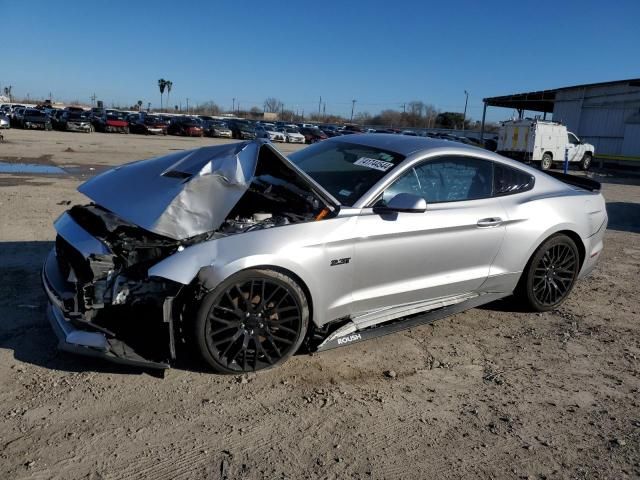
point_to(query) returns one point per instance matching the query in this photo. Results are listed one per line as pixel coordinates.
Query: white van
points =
(542, 141)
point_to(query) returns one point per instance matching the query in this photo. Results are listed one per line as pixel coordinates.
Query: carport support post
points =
(484, 114)
(566, 160)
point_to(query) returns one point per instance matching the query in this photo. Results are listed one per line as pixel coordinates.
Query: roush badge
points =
(373, 163)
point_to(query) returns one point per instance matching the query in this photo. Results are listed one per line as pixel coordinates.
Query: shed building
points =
(605, 114)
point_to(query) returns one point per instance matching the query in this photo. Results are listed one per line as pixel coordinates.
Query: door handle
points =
(489, 222)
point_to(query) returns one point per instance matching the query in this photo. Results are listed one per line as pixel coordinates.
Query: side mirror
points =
(403, 203)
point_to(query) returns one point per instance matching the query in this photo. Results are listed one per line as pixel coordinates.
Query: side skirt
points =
(352, 335)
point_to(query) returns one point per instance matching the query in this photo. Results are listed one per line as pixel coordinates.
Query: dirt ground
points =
(489, 393)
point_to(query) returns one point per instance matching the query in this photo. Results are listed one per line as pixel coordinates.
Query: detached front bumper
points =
(71, 337)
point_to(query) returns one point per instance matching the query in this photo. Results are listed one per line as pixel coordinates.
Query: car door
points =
(402, 258)
(575, 148)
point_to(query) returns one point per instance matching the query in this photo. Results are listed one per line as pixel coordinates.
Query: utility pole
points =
(324, 110)
(93, 100)
(187, 105)
(353, 106)
(404, 108)
(233, 105)
(319, 104)
(464, 115)
(282, 112)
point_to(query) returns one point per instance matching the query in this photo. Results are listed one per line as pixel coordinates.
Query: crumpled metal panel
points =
(179, 195)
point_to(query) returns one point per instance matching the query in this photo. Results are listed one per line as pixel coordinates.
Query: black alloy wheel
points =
(551, 273)
(253, 321)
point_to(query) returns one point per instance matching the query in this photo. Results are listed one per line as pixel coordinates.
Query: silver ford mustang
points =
(248, 256)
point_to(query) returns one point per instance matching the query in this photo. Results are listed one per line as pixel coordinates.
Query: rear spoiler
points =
(576, 181)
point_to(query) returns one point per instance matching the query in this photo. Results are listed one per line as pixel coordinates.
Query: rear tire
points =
(547, 161)
(550, 274)
(254, 320)
(585, 163)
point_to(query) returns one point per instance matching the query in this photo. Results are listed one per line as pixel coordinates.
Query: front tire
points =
(254, 320)
(585, 163)
(547, 161)
(550, 274)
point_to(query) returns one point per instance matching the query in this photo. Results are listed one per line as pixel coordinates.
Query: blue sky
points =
(381, 53)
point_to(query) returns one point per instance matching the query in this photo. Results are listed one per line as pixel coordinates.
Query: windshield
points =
(347, 171)
(34, 113)
(292, 130)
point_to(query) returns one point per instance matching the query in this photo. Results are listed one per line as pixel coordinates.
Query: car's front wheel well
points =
(297, 279)
(191, 295)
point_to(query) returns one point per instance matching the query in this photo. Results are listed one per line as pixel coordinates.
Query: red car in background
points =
(111, 121)
(147, 124)
(186, 126)
(312, 135)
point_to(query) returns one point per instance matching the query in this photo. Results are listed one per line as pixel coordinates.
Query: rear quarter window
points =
(508, 180)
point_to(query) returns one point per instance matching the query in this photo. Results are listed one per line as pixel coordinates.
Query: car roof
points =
(402, 144)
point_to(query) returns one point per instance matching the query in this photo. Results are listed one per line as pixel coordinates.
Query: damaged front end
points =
(102, 299)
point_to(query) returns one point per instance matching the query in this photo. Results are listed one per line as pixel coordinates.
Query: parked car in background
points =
(75, 121)
(216, 128)
(242, 129)
(16, 116)
(4, 121)
(330, 130)
(261, 132)
(36, 119)
(111, 121)
(147, 124)
(275, 135)
(313, 135)
(185, 126)
(292, 135)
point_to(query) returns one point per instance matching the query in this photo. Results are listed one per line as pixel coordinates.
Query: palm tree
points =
(139, 105)
(169, 85)
(162, 84)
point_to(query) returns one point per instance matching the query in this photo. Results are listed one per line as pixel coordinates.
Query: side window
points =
(507, 180)
(573, 139)
(454, 179)
(407, 183)
(449, 179)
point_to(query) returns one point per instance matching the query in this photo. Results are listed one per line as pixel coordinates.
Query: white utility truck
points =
(542, 141)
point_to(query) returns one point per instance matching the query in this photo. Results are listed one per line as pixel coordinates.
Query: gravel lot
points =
(492, 392)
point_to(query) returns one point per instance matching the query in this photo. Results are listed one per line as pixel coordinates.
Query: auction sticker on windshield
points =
(373, 163)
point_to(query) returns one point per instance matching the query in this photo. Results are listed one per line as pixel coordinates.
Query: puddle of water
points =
(30, 168)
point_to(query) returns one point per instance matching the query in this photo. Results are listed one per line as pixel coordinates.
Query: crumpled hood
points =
(180, 195)
(188, 193)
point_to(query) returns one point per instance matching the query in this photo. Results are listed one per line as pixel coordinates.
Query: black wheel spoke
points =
(554, 274)
(280, 328)
(253, 324)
